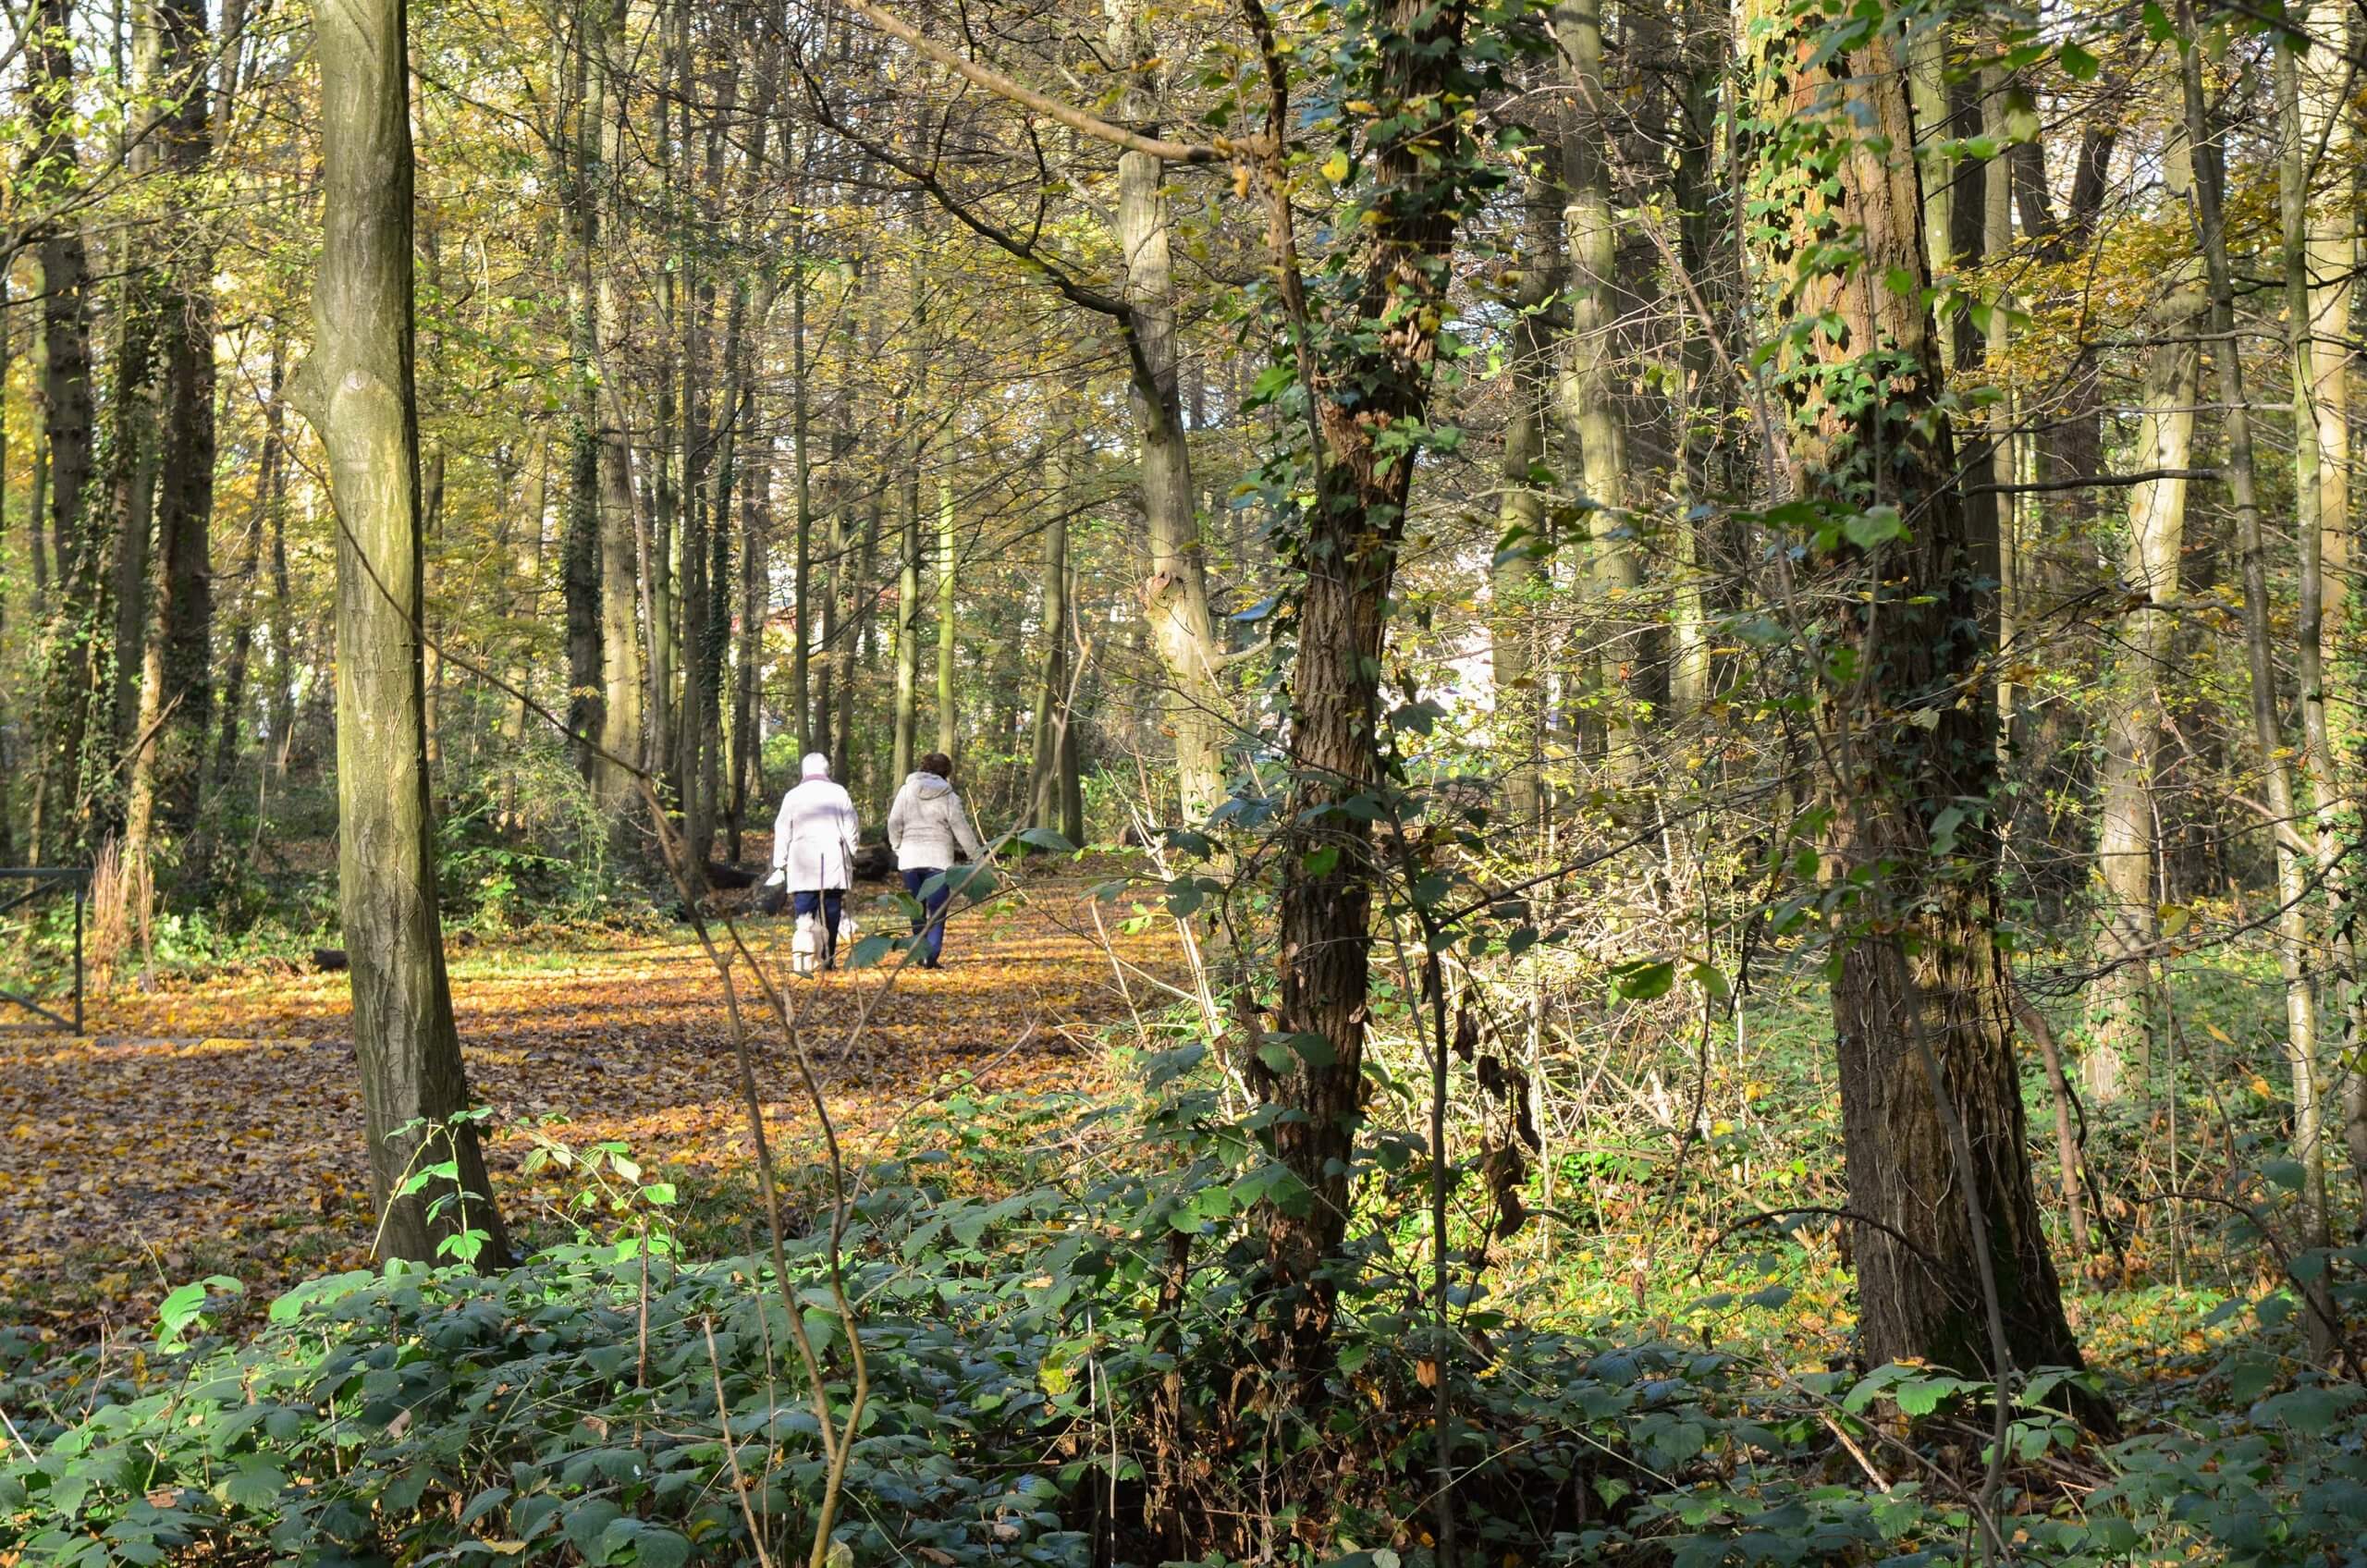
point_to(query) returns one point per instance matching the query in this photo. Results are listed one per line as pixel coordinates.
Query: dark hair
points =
(938, 764)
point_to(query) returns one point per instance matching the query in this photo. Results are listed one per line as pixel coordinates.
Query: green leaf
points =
(1046, 838)
(2310, 1410)
(657, 1547)
(1319, 863)
(870, 950)
(255, 1485)
(2077, 63)
(1643, 980)
(658, 1192)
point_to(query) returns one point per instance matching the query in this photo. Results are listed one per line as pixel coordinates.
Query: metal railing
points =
(45, 880)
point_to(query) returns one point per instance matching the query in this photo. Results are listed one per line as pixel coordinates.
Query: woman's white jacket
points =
(813, 837)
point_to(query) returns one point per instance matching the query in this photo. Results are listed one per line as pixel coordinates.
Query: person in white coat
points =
(924, 826)
(814, 843)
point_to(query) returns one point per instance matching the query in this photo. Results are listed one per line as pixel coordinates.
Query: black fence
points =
(48, 882)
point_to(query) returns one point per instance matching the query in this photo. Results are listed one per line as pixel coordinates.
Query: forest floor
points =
(213, 1125)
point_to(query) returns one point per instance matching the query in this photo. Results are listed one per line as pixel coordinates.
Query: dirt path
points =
(216, 1127)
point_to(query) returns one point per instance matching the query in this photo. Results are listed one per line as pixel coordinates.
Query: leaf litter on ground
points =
(215, 1126)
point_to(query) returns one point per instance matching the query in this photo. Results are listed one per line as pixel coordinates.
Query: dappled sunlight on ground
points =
(215, 1126)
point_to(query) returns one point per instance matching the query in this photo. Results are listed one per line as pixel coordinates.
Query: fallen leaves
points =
(217, 1127)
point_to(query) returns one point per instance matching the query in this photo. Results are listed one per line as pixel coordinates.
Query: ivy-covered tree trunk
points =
(357, 391)
(75, 677)
(582, 177)
(1369, 361)
(1952, 1267)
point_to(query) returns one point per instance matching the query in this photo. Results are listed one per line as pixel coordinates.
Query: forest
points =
(1380, 783)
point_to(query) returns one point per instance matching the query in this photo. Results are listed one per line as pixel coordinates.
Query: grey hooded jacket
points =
(926, 822)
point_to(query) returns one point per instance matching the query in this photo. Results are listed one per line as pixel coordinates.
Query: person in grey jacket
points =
(925, 825)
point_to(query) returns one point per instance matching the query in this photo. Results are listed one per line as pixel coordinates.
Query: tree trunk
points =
(949, 710)
(583, 182)
(75, 680)
(185, 487)
(1514, 582)
(1369, 376)
(271, 491)
(1931, 1111)
(1048, 726)
(357, 390)
(2120, 1016)
(2293, 850)
(623, 677)
(1589, 410)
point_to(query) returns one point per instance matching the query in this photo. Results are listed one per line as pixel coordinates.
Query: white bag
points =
(805, 945)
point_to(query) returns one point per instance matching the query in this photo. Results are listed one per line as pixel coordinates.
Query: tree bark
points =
(75, 680)
(1175, 593)
(1050, 724)
(1514, 582)
(584, 180)
(1932, 1120)
(2291, 845)
(2120, 1016)
(357, 390)
(948, 709)
(1588, 402)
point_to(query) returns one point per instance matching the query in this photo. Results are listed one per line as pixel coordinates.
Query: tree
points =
(1899, 610)
(357, 390)
(2126, 843)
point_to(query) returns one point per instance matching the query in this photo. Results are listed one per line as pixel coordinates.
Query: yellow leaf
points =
(1336, 168)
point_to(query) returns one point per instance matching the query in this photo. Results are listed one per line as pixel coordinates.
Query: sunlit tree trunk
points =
(2317, 188)
(2292, 848)
(907, 635)
(1957, 1271)
(2120, 1019)
(357, 390)
(623, 676)
(1588, 402)
(949, 711)
(1047, 780)
(1517, 582)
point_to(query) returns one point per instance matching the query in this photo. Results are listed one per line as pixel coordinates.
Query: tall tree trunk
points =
(185, 489)
(748, 687)
(623, 676)
(800, 424)
(1931, 1109)
(583, 182)
(357, 390)
(1515, 581)
(949, 711)
(75, 680)
(1048, 725)
(270, 490)
(1369, 375)
(2316, 183)
(2293, 849)
(908, 631)
(1588, 402)
(1175, 593)
(908, 554)
(2120, 1016)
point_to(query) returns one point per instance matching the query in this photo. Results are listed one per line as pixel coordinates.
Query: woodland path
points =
(215, 1126)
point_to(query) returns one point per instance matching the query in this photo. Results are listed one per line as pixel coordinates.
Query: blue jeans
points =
(930, 926)
(827, 902)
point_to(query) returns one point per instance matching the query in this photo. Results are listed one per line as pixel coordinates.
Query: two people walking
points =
(814, 840)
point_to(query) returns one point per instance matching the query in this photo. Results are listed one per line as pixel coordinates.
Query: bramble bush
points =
(1018, 1309)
